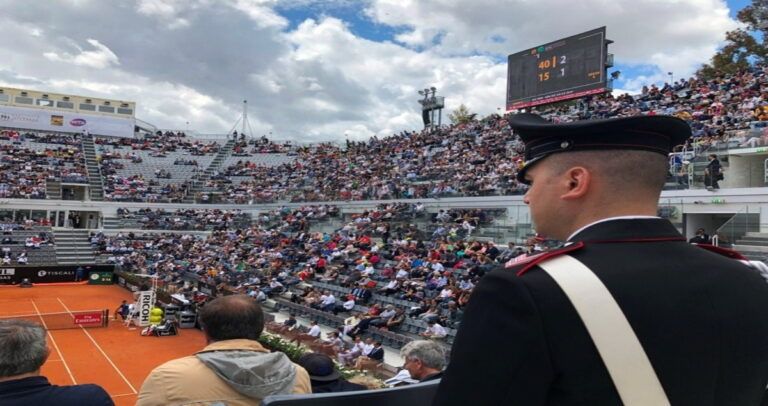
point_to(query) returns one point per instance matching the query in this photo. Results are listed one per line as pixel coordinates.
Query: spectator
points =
(713, 173)
(701, 237)
(434, 331)
(348, 357)
(23, 350)
(424, 360)
(323, 376)
(314, 330)
(234, 368)
(372, 355)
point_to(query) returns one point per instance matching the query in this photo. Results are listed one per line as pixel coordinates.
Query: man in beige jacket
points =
(233, 370)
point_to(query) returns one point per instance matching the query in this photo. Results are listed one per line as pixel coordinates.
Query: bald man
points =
(234, 369)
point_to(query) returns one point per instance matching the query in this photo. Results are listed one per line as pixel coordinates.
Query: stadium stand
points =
(421, 260)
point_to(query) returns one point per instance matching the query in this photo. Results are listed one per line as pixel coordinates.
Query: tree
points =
(742, 46)
(462, 115)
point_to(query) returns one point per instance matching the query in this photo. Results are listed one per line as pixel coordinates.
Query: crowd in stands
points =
(161, 143)
(473, 159)
(30, 241)
(137, 187)
(186, 219)
(279, 255)
(24, 170)
(716, 109)
(261, 145)
(481, 158)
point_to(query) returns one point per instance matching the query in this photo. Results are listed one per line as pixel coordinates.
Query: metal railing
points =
(737, 226)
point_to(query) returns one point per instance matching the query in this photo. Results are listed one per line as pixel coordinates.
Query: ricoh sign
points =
(146, 303)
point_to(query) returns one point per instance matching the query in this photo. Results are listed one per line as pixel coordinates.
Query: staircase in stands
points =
(95, 180)
(73, 247)
(53, 189)
(197, 184)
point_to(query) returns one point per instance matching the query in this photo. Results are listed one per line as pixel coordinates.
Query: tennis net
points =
(66, 320)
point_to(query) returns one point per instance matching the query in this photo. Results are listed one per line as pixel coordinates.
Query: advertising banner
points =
(86, 319)
(146, 303)
(65, 121)
(100, 278)
(49, 274)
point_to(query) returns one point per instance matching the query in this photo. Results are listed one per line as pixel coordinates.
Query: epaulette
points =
(758, 266)
(722, 251)
(529, 262)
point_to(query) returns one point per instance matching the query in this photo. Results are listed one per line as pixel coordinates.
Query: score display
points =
(564, 69)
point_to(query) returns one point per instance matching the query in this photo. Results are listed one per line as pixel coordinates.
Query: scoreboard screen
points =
(565, 69)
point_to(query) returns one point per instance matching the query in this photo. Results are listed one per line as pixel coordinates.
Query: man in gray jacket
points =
(234, 369)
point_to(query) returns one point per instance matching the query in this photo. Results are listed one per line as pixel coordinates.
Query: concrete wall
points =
(744, 171)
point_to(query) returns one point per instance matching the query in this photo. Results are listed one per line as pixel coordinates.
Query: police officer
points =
(698, 318)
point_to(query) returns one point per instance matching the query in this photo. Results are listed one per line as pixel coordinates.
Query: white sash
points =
(621, 351)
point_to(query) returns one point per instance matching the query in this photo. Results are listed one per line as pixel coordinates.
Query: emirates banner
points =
(65, 121)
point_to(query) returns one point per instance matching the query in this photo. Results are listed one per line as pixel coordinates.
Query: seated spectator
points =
(363, 294)
(424, 360)
(314, 329)
(347, 306)
(384, 317)
(327, 302)
(396, 321)
(371, 356)
(22, 259)
(453, 315)
(434, 331)
(701, 237)
(323, 375)
(347, 358)
(350, 323)
(23, 350)
(232, 324)
(392, 287)
(291, 323)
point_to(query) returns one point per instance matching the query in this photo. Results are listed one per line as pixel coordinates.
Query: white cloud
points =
(261, 12)
(196, 60)
(677, 35)
(99, 58)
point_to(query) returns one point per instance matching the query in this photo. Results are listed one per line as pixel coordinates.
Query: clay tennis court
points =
(115, 357)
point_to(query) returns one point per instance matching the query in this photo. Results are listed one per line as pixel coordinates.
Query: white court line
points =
(72, 377)
(122, 394)
(102, 351)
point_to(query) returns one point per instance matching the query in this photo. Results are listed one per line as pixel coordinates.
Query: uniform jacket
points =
(230, 372)
(701, 318)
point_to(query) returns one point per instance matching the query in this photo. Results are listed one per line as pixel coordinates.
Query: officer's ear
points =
(577, 181)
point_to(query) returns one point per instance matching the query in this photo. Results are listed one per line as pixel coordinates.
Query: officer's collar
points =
(633, 228)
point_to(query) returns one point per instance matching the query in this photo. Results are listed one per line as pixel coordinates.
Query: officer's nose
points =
(525, 198)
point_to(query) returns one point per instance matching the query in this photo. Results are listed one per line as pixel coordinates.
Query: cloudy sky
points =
(326, 69)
